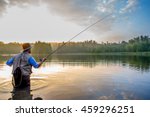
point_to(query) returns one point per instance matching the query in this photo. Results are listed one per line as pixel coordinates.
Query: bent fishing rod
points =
(75, 36)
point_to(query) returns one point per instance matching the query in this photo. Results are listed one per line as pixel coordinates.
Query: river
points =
(85, 77)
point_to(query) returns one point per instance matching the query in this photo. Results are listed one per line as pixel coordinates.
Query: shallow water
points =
(86, 77)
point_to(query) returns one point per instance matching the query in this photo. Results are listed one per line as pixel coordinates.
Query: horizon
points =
(58, 21)
(76, 41)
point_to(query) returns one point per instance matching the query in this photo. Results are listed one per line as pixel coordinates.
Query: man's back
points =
(22, 60)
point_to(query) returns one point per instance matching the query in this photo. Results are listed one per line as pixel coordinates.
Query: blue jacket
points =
(27, 61)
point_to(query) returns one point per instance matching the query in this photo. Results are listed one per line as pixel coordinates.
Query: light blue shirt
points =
(31, 61)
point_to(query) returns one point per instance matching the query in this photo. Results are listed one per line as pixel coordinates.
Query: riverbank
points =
(110, 54)
(106, 54)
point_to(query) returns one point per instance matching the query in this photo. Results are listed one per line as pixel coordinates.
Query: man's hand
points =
(41, 61)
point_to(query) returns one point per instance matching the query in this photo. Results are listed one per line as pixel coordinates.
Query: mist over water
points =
(85, 77)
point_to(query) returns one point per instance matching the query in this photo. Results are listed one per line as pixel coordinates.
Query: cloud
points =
(23, 3)
(3, 5)
(106, 6)
(77, 10)
(69, 9)
(131, 4)
(115, 37)
(81, 12)
(73, 9)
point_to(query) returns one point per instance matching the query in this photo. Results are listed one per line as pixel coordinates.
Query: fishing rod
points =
(75, 36)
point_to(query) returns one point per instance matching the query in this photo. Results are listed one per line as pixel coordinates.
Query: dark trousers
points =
(25, 82)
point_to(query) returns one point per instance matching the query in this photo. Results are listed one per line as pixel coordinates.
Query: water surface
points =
(85, 77)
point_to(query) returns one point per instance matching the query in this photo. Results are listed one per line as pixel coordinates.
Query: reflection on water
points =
(86, 77)
(23, 94)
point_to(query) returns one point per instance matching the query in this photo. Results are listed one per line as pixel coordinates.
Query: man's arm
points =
(33, 62)
(10, 61)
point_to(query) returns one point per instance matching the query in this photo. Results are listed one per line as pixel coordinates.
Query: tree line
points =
(137, 44)
(10, 48)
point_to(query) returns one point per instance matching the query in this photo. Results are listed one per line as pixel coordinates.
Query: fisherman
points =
(25, 61)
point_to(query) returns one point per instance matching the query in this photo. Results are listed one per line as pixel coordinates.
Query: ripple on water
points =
(36, 84)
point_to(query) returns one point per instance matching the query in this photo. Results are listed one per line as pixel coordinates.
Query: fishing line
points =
(77, 35)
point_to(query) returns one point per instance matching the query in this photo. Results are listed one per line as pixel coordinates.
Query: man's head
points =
(26, 47)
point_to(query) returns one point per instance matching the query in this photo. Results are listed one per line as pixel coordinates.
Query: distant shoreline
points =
(104, 53)
(110, 54)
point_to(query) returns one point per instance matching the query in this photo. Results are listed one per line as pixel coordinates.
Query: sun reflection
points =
(49, 69)
(5, 72)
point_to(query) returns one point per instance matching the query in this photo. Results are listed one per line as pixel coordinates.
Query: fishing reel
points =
(42, 59)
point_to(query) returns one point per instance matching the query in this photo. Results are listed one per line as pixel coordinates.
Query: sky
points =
(60, 20)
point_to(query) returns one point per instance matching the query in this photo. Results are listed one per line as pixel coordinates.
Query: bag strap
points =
(20, 60)
(21, 76)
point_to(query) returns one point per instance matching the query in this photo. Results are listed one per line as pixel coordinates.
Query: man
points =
(25, 61)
